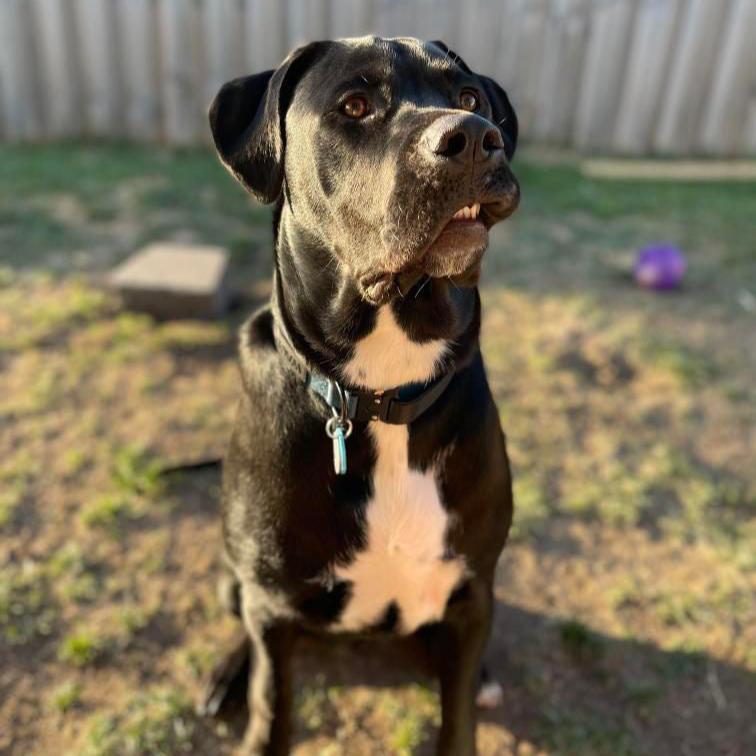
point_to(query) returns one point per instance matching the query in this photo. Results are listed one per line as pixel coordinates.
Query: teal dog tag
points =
(339, 452)
(338, 434)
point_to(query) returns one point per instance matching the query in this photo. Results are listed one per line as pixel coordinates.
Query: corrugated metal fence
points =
(631, 76)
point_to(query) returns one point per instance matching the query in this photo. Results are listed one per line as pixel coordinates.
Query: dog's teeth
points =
(470, 212)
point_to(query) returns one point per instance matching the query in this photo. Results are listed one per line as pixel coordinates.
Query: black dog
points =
(367, 487)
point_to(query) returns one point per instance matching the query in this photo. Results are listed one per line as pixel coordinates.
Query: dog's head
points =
(392, 152)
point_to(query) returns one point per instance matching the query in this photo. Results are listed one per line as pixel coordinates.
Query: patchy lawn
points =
(627, 596)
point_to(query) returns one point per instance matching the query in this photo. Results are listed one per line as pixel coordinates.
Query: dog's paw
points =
(490, 695)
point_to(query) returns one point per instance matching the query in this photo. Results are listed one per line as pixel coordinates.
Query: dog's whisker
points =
(452, 283)
(422, 286)
(331, 263)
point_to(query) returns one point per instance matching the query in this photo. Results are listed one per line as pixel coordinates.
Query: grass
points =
(199, 660)
(66, 696)
(628, 415)
(43, 318)
(409, 722)
(75, 576)
(54, 207)
(583, 736)
(135, 481)
(109, 512)
(10, 500)
(16, 471)
(405, 720)
(81, 648)
(135, 472)
(157, 721)
(27, 608)
(132, 620)
(579, 641)
(710, 210)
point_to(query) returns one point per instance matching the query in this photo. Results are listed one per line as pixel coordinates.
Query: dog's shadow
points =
(572, 691)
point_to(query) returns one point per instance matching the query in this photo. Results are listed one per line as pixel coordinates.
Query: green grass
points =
(136, 472)
(135, 481)
(199, 660)
(409, 722)
(569, 734)
(57, 200)
(310, 704)
(693, 368)
(74, 575)
(132, 620)
(66, 696)
(110, 512)
(41, 319)
(10, 501)
(697, 210)
(579, 641)
(81, 648)
(16, 473)
(27, 608)
(158, 721)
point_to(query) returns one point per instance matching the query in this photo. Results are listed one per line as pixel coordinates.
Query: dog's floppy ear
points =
(503, 113)
(247, 123)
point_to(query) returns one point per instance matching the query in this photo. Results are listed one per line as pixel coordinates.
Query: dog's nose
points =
(463, 138)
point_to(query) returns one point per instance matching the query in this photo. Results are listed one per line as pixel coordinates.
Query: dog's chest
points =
(404, 570)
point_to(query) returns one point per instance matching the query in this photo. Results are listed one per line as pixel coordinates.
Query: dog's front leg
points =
(270, 693)
(458, 644)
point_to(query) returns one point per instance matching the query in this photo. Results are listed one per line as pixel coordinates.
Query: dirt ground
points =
(626, 618)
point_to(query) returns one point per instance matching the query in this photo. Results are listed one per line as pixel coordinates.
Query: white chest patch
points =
(406, 522)
(386, 357)
(406, 539)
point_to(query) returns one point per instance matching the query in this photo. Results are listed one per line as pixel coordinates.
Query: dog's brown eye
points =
(355, 107)
(468, 101)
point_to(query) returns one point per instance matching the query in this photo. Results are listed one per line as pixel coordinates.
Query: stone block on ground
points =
(172, 280)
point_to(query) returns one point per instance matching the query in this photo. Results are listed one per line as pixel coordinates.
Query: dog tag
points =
(339, 451)
(338, 434)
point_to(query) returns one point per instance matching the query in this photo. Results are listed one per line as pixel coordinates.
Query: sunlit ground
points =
(627, 616)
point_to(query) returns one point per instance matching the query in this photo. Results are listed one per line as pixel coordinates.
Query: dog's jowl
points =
(366, 488)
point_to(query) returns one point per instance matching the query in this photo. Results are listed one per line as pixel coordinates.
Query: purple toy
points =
(660, 266)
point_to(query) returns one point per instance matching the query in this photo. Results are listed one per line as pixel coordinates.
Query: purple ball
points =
(660, 266)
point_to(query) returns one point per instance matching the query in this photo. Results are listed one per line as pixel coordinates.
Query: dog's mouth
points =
(458, 248)
(454, 252)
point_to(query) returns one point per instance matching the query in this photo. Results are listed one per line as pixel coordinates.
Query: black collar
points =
(400, 405)
(397, 406)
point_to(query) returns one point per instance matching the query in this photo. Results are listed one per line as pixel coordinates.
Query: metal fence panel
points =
(614, 76)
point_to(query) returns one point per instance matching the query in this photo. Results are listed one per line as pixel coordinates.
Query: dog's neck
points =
(328, 322)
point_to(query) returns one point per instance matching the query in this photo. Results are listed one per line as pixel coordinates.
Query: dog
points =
(366, 488)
